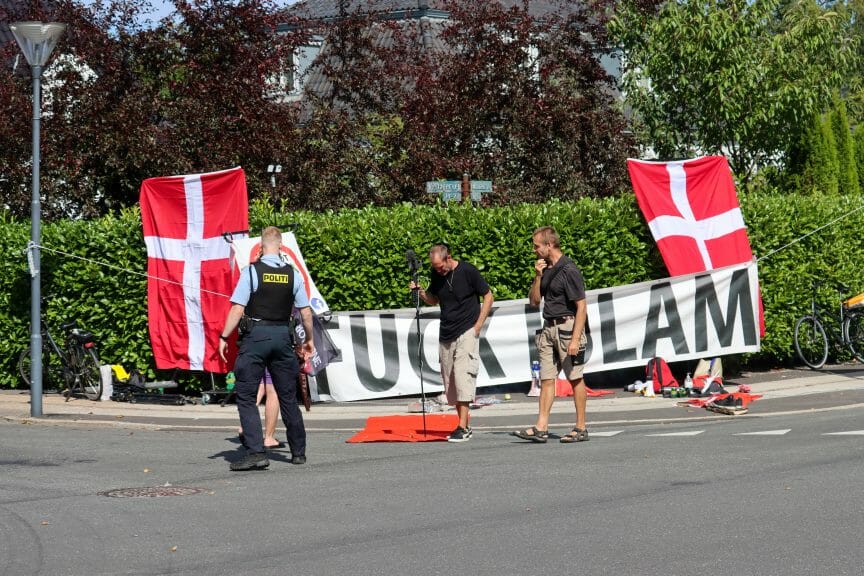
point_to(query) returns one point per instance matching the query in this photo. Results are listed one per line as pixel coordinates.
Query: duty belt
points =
(271, 322)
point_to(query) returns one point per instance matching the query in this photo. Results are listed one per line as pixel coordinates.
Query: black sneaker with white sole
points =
(460, 434)
(252, 461)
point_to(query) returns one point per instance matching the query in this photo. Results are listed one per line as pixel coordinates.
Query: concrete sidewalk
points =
(783, 391)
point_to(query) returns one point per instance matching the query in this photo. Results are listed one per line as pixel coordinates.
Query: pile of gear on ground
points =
(703, 390)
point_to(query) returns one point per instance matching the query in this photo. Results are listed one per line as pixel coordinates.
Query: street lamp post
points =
(37, 40)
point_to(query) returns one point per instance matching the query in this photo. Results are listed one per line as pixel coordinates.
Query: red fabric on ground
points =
(563, 388)
(406, 428)
(743, 396)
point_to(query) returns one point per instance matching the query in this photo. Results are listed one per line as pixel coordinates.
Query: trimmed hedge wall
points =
(358, 260)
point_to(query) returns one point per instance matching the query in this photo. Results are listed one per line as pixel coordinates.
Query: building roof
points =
(428, 34)
(425, 18)
(328, 9)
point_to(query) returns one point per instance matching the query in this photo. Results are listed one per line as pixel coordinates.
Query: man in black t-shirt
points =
(561, 342)
(457, 286)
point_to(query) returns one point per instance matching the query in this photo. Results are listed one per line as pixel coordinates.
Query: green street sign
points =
(452, 189)
(444, 187)
(481, 186)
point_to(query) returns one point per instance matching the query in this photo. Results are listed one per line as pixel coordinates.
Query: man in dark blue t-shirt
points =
(457, 286)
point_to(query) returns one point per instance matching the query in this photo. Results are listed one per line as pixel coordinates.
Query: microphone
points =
(411, 257)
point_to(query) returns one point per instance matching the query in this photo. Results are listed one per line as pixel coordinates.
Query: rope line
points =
(127, 270)
(809, 234)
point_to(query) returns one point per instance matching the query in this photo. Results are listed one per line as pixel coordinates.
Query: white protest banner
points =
(246, 250)
(710, 313)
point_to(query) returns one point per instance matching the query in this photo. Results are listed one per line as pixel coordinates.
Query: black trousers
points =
(269, 347)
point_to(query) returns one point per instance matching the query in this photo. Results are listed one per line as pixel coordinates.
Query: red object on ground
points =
(564, 389)
(745, 398)
(406, 428)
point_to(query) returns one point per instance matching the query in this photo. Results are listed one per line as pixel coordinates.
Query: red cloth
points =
(406, 428)
(190, 278)
(563, 388)
(693, 213)
(745, 398)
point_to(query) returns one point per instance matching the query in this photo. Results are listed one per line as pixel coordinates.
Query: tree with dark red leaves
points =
(124, 102)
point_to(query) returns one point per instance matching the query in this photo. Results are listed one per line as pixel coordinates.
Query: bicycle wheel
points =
(853, 332)
(811, 342)
(52, 370)
(89, 375)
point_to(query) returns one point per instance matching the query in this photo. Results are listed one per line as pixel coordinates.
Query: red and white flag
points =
(693, 213)
(188, 263)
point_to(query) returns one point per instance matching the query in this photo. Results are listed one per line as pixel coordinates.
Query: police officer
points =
(266, 294)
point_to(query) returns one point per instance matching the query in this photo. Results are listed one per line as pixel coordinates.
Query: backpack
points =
(657, 370)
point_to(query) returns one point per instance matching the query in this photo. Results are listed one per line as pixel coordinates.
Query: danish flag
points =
(693, 213)
(188, 263)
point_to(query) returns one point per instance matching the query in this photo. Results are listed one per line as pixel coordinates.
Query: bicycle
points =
(846, 329)
(74, 369)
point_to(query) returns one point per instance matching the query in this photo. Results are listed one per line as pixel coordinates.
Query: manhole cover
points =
(152, 492)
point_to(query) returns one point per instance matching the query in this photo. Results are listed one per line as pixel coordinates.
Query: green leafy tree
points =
(859, 154)
(824, 164)
(737, 77)
(847, 170)
(855, 94)
(820, 174)
(812, 165)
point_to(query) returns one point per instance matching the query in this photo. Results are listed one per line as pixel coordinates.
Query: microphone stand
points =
(414, 276)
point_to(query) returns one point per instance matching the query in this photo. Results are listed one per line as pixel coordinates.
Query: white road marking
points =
(764, 433)
(606, 434)
(691, 433)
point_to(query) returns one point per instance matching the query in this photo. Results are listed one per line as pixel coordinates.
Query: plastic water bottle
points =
(230, 380)
(688, 384)
(535, 379)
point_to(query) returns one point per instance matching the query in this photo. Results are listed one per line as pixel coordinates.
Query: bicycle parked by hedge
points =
(845, 328)
(74, 368)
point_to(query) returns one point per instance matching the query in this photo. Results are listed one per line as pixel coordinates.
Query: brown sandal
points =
(575, 435)
(532, 434)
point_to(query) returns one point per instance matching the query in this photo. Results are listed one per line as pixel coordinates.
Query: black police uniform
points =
(270, 344)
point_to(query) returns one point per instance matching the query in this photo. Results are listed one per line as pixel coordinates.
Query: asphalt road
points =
(785, 499)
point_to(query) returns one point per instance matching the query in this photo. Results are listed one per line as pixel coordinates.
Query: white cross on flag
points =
(693, 213)
(190, 277)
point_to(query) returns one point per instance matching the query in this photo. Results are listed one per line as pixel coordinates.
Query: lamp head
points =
(37, 39)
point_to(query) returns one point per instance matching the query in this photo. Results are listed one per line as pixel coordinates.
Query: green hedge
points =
(358, 260)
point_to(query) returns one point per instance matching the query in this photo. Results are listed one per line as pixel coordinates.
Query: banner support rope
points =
(120, 268)
(809, 233)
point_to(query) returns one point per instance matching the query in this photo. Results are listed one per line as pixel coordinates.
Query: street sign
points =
(452, 189)
(481, 186)
(444, 186)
